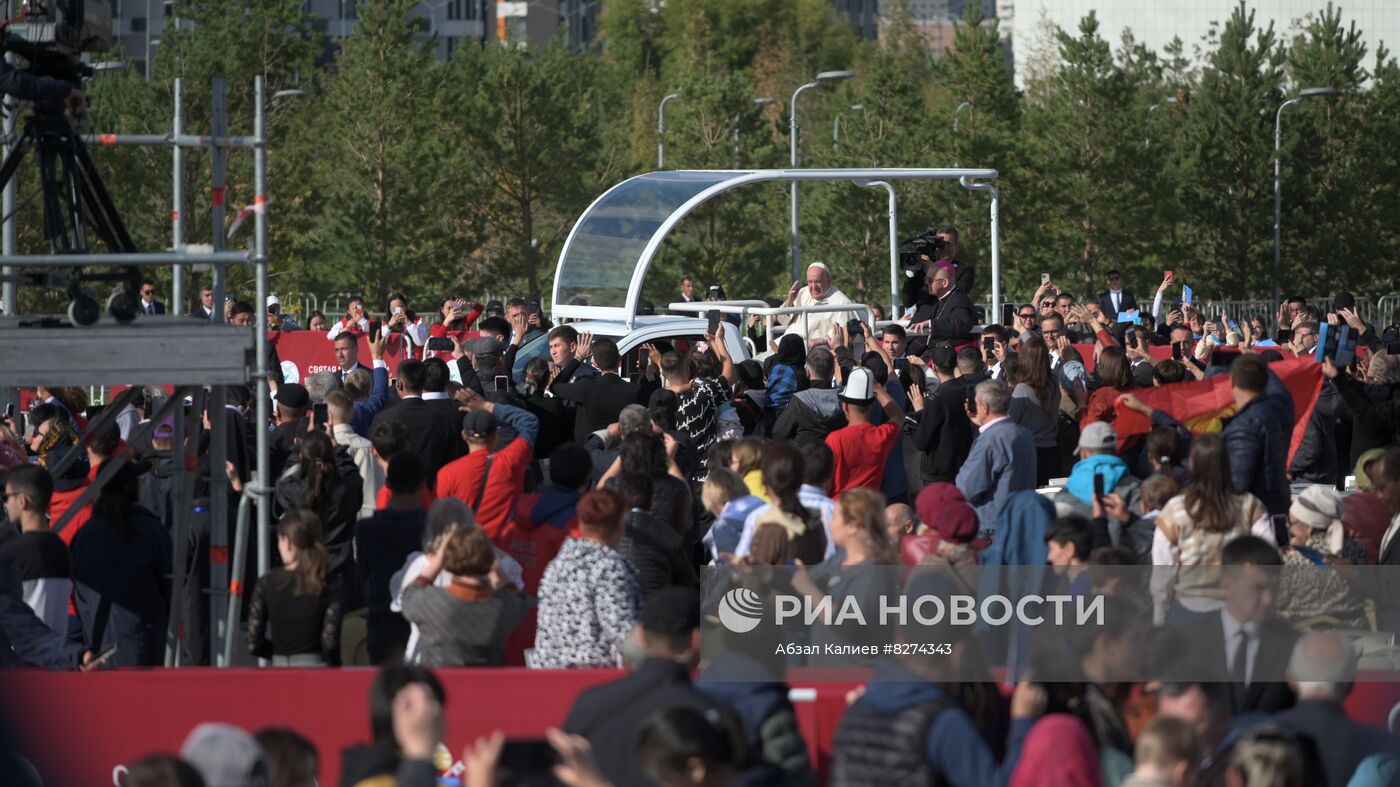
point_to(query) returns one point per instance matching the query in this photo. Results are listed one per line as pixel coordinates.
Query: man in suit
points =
(347, 355)
(944, 435)
(1002, 460)
(688, 290)
(600, 399)
(434, 434)
(611, 716)
(949, 315)
(149, 304)
(1115, 299)
(1245, 643)
(1321, 672)
(206, 303)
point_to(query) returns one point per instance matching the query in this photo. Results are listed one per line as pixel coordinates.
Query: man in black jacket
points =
(944, 433)
(433, 432)
(949, 315)
(600, 398)
(814, 412)
(611, 716)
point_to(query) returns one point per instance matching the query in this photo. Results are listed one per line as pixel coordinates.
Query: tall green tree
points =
(527, 138)
(1226, 146)
(985, 133)
(381, 175)
(1084, 140)
(1335, 190)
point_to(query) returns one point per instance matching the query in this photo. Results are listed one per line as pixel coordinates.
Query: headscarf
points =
(1058, 752)
(943, 508)
(1320, 508)
(1364, 483)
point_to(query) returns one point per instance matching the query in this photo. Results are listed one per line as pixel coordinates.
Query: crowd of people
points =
(462, 517)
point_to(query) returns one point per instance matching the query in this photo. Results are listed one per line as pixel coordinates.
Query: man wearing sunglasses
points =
(149, 304)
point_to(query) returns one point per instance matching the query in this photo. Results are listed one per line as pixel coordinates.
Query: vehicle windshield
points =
(597, 265)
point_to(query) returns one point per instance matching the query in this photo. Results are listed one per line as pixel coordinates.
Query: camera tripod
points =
(77, 206)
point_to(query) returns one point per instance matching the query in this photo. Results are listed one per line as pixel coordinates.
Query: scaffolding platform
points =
(151, 350)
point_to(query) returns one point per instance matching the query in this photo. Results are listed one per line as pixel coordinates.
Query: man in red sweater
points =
(860, 449)
(486, 479)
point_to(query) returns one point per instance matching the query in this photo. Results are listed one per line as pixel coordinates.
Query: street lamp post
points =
(1147, 142)
(661, 131)
(958, 111)
(1278, 175)
(836, 126)
(824, 78)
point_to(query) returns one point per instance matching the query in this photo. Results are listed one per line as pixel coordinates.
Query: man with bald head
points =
(1321, 672)
(820, 291)
(902, 521)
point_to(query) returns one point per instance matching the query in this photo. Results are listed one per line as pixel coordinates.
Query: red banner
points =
(1203, 405)
(304, 353)
(88, 728)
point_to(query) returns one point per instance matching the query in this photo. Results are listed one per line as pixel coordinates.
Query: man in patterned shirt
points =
(700, 398)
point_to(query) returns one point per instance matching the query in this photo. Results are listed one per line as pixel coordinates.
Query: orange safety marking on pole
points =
(174, 216)
(218, 555)
(260, 200)
(235, 588)
(218, 195)
(108, 139)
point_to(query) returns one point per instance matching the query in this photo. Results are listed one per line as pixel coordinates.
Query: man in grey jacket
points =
(1002, 460)
(815, 412)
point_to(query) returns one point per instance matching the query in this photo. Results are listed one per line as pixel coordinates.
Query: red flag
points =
(1203, 405)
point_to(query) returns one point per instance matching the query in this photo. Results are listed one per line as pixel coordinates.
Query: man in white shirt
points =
(340, 408)
(819, 291)
(1116, 300)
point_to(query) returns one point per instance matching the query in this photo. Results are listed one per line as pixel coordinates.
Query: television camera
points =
(925, 244)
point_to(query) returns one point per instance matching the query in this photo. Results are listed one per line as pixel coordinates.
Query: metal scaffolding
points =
(191, 354)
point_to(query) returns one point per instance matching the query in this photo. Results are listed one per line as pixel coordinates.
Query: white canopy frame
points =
(620, 229)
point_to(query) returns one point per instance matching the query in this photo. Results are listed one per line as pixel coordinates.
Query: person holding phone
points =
(458, 315)
(403, 323)
(355, 320)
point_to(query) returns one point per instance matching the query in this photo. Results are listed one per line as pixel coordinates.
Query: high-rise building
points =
(937, 20)
(537, 22)
(1156, 23)
(138, 24)
(864, 16)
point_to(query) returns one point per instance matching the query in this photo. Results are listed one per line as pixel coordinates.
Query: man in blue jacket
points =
(1002, 460)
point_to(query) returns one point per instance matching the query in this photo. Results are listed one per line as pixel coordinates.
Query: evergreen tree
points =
(380, 177)
(1226, 146)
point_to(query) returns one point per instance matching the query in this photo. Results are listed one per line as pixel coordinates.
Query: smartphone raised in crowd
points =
(1098, 487)
(319, 415)
(972, 399)
(713, 316)
(374, 328)
(440, 344)
(502, 382)
(1044, 278)
(901, 364)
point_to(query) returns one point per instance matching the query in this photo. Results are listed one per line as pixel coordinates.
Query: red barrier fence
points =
(83, 728)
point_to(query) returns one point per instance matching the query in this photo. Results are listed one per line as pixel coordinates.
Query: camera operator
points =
(44, 91)
(915, 293)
